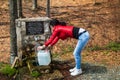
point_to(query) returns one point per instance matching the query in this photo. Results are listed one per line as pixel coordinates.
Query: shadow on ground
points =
(88, 68)
(92, 68)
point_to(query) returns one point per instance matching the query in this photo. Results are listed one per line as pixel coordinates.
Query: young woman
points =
(62, 31)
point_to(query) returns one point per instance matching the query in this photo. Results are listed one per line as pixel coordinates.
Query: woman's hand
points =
(40, 47)
(48, 47)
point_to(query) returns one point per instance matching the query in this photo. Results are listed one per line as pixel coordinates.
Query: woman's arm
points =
(52, 37)
(54, 41)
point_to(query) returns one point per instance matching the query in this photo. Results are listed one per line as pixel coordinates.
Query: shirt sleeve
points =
(54, 41)
(52, 37)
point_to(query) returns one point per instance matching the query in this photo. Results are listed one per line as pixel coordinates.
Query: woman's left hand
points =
(49, 46)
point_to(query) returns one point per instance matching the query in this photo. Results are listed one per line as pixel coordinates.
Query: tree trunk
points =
(34, 4)
(13, 42)
(48, 8)
(20, 15)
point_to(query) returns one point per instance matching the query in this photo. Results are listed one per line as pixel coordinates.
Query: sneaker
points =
(76, 72)
(71, 70)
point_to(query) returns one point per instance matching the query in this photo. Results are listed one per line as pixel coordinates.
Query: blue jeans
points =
(82, 41)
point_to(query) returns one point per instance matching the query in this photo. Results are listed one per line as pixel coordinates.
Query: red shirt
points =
(59, 32)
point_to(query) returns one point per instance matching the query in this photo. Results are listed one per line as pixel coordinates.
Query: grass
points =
(67, 49)
(35, 74)
(112, 46)
(7, 70)
(95, 48)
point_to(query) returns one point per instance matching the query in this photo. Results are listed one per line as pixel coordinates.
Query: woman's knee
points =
(77, 56)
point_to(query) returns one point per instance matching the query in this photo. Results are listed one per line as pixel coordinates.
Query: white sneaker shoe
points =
(71, 70)
(76, 72)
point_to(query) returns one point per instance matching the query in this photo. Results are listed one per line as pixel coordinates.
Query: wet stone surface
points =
(90, 71)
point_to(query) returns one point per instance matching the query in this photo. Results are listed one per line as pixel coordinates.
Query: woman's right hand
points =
(40, 47)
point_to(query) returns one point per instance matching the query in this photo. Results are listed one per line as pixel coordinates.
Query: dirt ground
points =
(102, 20)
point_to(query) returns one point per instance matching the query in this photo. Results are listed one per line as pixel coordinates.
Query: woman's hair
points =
(55, 22)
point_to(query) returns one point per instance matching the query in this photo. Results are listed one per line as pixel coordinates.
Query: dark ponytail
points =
(55, 22)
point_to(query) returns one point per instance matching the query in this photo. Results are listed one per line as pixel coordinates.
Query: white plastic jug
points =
(43, 57)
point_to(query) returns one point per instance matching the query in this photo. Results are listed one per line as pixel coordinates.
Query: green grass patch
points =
(112, 46)
(67, 49)
(94, 48)
(7, 70)
(35, 74)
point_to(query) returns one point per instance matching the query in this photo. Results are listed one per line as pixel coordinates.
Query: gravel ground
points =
(90, 71)
(93, 72)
